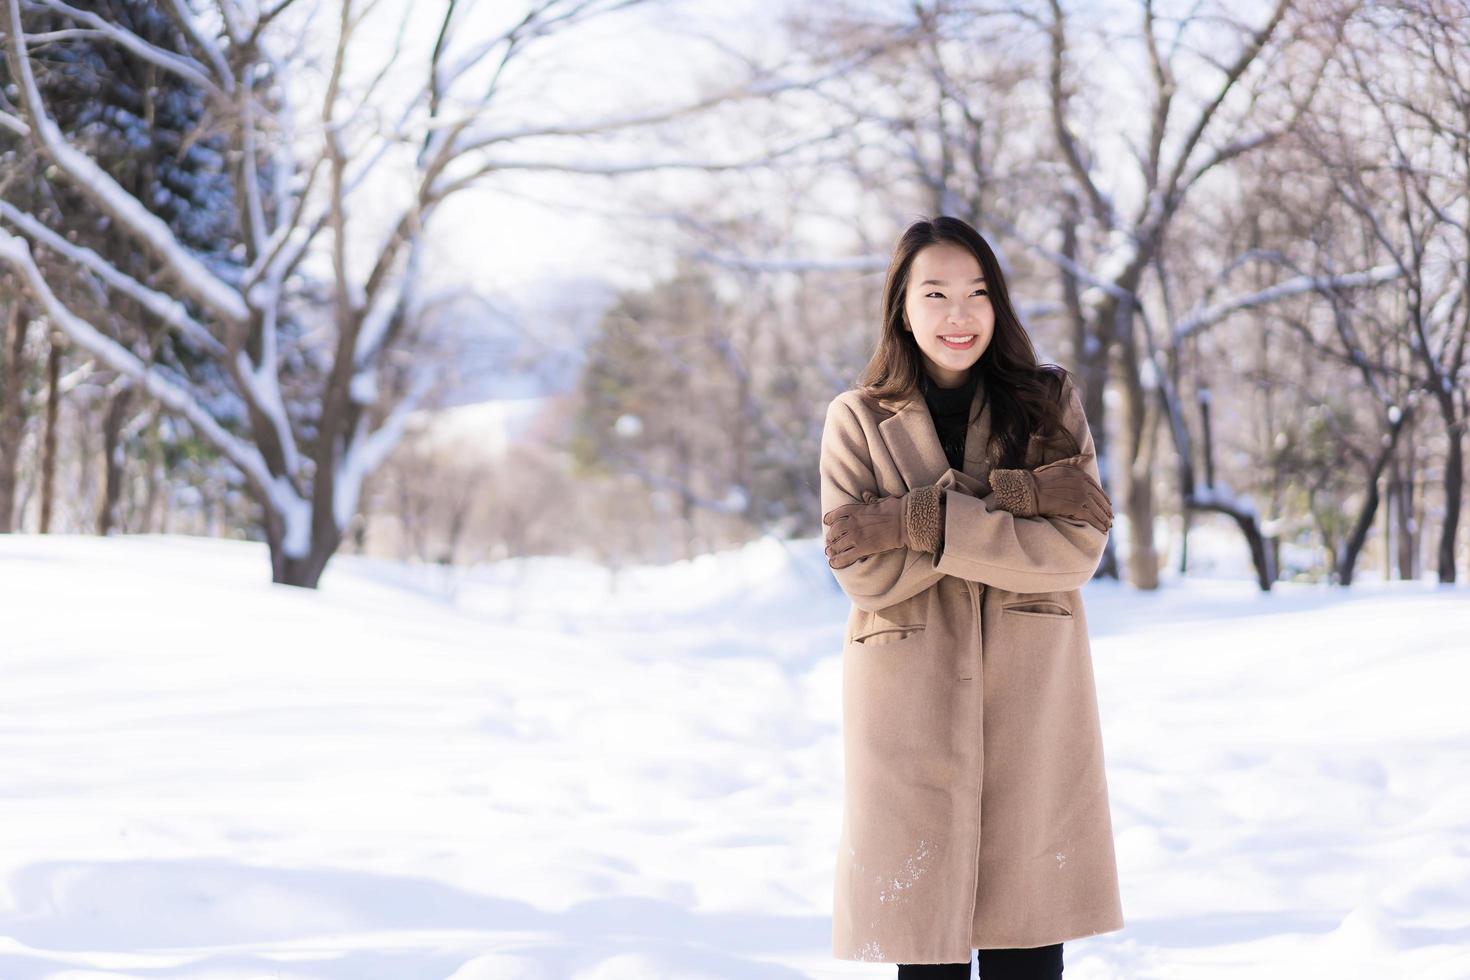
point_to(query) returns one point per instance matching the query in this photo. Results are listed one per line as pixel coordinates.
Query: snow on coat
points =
(975, 811)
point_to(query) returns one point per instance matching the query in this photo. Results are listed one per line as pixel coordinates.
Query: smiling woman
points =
(949, 311)
(961, 496)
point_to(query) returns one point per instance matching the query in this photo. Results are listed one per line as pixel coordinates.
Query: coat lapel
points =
(913, 442)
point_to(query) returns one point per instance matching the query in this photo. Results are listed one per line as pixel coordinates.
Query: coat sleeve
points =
(846, 465)
(984, 543)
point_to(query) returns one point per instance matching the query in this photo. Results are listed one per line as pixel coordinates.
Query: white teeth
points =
(960, 339)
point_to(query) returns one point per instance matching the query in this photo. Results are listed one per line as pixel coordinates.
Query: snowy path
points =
(202, 775)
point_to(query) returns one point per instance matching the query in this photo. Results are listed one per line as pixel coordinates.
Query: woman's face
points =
(947, 307)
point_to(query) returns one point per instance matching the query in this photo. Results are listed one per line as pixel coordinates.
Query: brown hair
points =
(1025, 396)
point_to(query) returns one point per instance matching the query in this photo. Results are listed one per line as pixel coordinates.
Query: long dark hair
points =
(1025, 396)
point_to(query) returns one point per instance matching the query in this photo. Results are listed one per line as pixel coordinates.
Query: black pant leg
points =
(1035, 963)
(934, 971)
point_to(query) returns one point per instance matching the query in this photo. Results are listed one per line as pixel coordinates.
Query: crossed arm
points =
(883, 550)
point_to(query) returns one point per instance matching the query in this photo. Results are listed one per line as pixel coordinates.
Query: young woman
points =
(963, 512)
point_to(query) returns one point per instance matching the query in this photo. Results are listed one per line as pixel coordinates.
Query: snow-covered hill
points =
(537, 770)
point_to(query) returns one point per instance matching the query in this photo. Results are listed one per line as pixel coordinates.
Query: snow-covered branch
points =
(99, 186)
(1100, 282)
(1233, 74)
(1067, 140)
(752, 263)
(261, 384)
(166, 308)
(188, 23)
(14, 124)
(765, 86)
(367, 450)
(607, 169)
(1200, 319)
(186, 68)
(14, 251)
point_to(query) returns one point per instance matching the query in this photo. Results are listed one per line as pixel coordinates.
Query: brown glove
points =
(910, 520)
(1058, 489)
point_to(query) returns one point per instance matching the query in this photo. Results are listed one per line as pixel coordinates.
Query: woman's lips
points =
(964, 346)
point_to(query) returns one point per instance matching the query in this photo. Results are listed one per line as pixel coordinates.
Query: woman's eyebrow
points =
(945, 282)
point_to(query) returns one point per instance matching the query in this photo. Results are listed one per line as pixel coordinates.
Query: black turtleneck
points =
(950, 409)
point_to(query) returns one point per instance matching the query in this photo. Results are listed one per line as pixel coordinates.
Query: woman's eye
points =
(937, 293)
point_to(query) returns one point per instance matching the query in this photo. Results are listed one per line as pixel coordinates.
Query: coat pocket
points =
(893, 625)
(898, 622)
(1045, 607)
(887, 633)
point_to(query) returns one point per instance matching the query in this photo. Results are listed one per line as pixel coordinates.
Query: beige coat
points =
(975, 812)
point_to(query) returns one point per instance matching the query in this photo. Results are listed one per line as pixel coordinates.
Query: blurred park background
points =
(457, 282)
(409, 420)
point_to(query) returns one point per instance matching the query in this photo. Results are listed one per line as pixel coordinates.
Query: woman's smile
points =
(948, 309)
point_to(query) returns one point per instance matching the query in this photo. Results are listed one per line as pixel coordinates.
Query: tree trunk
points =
(1090, 355)
(1186, 520)
(403, 494)
(1143, 559)
(1261, 556)
(1354, 544)
(1402, 502)
(12, 410)
(156, 480)
(1095, 409)
(1454, 488)
(48, 445)
(1264, 554)
(112, 455)
(304, 570)
(687, 528)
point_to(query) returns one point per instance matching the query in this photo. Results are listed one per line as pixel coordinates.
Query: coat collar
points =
(913, 442)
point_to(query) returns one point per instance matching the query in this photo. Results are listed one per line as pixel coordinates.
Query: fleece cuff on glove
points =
(1015, 491)
(922, 519)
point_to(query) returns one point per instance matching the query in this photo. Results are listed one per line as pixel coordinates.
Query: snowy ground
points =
(539, 771)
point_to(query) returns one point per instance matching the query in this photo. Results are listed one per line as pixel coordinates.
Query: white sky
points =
(515, 234)
(495, 235)
(515, 227)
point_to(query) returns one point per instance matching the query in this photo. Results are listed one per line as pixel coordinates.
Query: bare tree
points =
(963, 132)
(304, 448)
(1397, 149)
(1184, 142)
